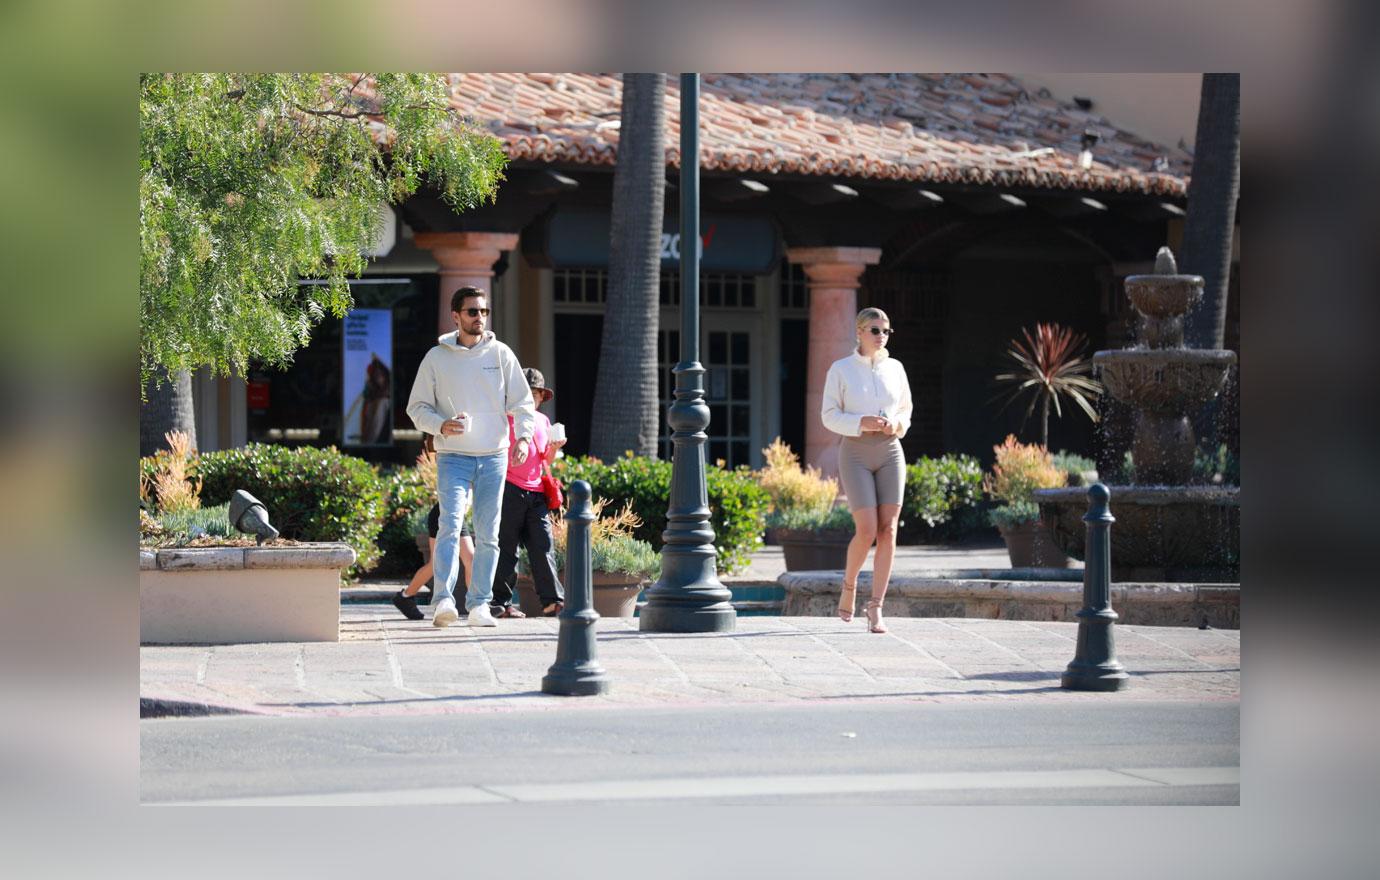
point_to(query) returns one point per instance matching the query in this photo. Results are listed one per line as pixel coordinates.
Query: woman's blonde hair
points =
(871, 314)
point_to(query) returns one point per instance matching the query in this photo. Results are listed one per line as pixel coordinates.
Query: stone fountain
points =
(1166, 529)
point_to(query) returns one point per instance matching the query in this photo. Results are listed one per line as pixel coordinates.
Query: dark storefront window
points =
(727, 357)
(303, 404)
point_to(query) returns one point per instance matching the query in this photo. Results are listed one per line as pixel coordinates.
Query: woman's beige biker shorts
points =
(872, 469)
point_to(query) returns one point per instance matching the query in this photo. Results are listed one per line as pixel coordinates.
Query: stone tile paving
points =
(386, 665)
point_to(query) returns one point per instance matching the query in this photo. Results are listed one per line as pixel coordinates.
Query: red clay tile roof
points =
(971, 129)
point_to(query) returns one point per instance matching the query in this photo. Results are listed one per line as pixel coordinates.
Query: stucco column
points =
(467, 260)
(833, 274)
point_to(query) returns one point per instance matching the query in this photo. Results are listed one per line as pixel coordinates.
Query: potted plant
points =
(622, 565)
(1019, 470)
(802, 519)
(814, 539)
(1049, 366)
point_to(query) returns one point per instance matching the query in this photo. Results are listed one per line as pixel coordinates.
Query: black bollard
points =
(1094, 666)
(576, 672)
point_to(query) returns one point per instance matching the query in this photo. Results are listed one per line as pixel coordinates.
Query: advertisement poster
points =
(367, 373)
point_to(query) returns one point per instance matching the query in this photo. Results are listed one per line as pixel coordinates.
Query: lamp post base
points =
(1094, 677)
(687, 616)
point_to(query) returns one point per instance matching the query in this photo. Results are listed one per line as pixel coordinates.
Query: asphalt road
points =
(848, 752)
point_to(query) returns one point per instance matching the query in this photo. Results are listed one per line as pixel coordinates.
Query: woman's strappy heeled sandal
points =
(874, 616)
(848, 600)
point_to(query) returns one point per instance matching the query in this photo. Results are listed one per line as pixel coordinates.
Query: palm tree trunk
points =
(1212, 195)
(167, 407)
(626, 406)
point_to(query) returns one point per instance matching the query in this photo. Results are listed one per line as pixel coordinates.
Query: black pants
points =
(524, 521)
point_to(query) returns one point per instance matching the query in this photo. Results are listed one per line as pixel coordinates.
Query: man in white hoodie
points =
(465, 388)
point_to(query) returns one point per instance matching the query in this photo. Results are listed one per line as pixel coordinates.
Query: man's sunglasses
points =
(475, 313)
(878, 331)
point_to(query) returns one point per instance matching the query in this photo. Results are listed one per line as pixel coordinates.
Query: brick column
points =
(467, 260)
(833, 274)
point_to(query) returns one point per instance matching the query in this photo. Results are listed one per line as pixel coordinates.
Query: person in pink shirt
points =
(524, 518)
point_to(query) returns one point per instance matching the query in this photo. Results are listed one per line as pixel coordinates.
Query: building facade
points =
(961, 205)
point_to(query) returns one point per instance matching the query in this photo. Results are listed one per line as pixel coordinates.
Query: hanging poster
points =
(367, 372)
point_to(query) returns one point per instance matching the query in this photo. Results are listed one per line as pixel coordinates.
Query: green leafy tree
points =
(249, 182)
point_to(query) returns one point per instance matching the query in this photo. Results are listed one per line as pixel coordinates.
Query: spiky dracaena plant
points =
(1049, 365)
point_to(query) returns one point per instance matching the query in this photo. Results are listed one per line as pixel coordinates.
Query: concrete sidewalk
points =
(386, 665)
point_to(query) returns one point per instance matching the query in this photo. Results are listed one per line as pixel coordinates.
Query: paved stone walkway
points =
(384, 664)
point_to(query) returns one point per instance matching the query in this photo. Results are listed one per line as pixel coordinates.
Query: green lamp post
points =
(689, 596)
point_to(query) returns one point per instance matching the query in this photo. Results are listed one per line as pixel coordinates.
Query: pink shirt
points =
(528, 474)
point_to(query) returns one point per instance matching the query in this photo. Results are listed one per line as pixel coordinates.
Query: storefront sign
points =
(256, 394)
(572, 239)
(367, 371)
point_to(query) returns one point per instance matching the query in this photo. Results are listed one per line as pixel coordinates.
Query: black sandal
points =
(553, 609)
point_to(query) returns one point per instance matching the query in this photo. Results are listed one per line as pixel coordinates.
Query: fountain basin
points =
(1165, 380)
(1164, 296)
(1161, 533)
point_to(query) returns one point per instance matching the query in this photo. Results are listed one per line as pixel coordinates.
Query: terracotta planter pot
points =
(615, 594)
(814, 549)
(1030, 546)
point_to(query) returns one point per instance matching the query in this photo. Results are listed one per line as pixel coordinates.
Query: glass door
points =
(728, 353)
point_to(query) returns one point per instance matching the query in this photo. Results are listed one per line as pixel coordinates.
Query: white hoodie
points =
(484, 381)
(857, 387)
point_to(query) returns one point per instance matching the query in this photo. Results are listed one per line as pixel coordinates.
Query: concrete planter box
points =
(234, 595)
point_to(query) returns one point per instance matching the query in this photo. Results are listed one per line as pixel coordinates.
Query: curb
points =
(156, 707)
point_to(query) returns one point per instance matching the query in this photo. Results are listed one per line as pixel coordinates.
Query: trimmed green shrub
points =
(1075, 466)
(737, 503)
(942, 498)
(408, 500)
(1014, 514)
(311, 494)
(812, 518)
(1216, 466)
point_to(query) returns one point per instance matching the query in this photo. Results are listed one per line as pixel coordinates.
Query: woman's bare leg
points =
(887, 515)
(864, 531)
(424, 573)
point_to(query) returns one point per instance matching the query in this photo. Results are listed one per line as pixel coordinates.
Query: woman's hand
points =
(873, 423)
(890, 428)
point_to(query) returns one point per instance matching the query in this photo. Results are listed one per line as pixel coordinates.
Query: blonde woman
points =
(867, 400)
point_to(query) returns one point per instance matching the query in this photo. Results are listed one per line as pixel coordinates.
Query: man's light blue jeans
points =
(462, 480)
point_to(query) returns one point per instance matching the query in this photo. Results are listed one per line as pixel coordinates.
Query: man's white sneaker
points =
(482, 616)
(445, 613)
